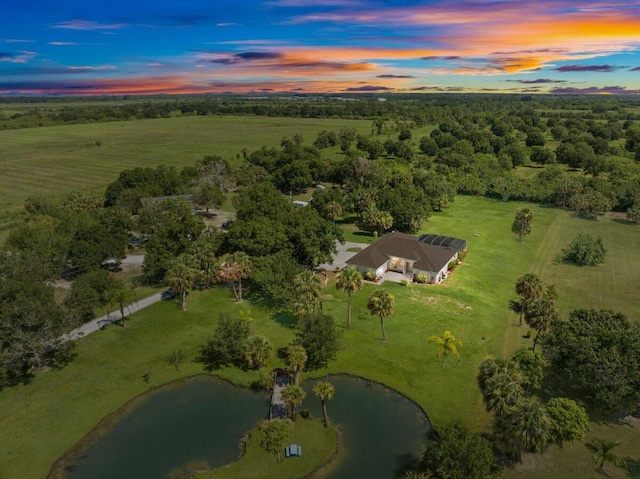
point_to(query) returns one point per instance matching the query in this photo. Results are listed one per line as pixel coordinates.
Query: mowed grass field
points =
(58, 159)
(42, 420)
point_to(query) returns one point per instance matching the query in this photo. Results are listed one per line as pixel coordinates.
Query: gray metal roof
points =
(448, 242)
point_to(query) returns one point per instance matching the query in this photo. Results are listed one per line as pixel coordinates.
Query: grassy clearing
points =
(575, 460)
(319, 446)
(55, 160)
(612, 285)
(36, 423)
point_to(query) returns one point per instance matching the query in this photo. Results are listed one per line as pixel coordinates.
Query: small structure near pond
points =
(293, 451)
(278, 409)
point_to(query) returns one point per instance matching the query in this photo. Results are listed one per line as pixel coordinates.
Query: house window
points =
(397, 264)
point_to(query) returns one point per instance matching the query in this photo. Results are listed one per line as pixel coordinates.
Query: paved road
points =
(341, 257)
(101, 322)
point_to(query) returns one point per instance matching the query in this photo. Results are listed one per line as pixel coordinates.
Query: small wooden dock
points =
(278, 409)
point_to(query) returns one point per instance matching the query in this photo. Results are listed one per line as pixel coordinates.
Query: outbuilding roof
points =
(426, 257)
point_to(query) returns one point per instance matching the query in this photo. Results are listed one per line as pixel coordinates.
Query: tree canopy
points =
(600, 351)
(457, 453)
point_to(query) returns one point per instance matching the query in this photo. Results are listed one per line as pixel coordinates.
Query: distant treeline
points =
(420, 109)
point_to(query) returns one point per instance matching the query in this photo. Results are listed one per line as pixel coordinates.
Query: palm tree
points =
(325, 391)
(205, 252)
(235, 268)
(259, 350)
(602, 453)
(492, 366)
(296, 359)
(527, 427)
(245, 268)
(349, 280)
(381, 304)
(122, 297)
(334, 210)
(530, 288)
(293, 396)
(522, 223)
(541, 315)
(502, 392)
(181, 277)
(447, 344)
(230, 273)
(306, 288)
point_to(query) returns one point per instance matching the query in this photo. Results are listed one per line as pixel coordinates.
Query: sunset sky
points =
(86, 47)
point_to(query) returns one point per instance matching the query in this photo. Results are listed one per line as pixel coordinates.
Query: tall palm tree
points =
(334, 210)
(381, 304)
(306, 290)
(527, 427)
(122, 297)
(349, 280)
(234, 269)
(245, 267)
(447, 344)
(181, 276)
(325, 391)
(296, 359)
(293, 396)
(530, 288)
(541, 315)
(522, 223)
(602, 453)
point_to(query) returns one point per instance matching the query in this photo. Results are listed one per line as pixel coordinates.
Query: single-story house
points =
(408, 255)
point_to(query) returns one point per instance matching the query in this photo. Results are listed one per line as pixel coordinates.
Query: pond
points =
(382, 430)
(202, 420)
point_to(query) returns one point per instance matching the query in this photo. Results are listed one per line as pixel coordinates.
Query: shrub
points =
(175, 358)
(422, 278)
(264, 381)
(451, 265)
(369, 276)
(585, 250)
(228, 345)
(404, 282)
(304, 414)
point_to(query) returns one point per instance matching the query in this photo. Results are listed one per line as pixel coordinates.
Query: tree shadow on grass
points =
(623, 221)
(633, 467)
(362, 233)
(286, 319)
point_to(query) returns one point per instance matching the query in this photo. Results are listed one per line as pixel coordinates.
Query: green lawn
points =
(615, 284)
(42, 420)
(55, 160)
(320, 444)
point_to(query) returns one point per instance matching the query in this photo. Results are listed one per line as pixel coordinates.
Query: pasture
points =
(58, 159)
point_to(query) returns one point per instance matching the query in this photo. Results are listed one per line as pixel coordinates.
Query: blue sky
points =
(246, 46)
